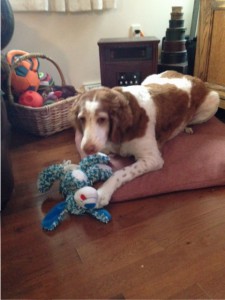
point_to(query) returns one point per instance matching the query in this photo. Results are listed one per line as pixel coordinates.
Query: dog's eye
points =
(101, 120)
(82, 120)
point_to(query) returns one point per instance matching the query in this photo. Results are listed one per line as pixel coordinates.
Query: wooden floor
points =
(165, 247)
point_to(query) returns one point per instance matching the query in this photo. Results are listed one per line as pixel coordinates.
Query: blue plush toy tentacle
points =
(94, 159)
(54, 216)
(100, 214)
(98, 173)
(48, 176)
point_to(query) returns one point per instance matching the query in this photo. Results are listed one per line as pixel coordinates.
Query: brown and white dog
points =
(138, 120)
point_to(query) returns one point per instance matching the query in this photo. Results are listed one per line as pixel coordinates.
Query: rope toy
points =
(75, 184)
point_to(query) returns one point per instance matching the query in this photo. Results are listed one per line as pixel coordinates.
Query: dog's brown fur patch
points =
(139, 119)
(175, 107)
(171, 107)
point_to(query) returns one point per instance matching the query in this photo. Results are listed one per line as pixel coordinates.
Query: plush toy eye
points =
(82, 197)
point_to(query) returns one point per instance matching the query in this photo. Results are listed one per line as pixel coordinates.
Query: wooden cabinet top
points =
(128, 40)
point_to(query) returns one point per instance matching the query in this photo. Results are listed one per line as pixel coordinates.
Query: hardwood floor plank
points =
(117, 251)
(192, 292)
(214, 285)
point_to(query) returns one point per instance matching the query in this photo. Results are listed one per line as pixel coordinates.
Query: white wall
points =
(71, 39)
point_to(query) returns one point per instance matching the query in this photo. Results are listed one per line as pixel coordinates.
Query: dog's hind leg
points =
(207, 109)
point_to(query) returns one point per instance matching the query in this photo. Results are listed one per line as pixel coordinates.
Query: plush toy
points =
(75, 184)
(56, 93)
(46, 80)
(25, 76)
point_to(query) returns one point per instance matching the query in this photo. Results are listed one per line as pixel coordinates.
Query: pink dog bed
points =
(190, 162)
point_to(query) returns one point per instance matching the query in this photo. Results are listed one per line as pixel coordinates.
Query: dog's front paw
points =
(103, 198)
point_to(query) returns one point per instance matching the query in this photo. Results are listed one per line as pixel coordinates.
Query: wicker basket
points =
(41, 121)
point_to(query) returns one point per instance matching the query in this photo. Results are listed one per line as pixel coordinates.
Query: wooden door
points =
(210, 52)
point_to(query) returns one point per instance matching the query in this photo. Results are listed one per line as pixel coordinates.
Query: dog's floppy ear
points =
(116, 134)
(128, 119)
(73, 114)
(121, 116)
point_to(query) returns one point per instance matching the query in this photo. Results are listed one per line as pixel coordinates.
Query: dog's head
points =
(101, 115)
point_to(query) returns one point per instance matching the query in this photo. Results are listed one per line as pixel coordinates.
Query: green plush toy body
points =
(76, 186)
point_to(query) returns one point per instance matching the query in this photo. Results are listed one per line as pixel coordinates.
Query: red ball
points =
(31, 98)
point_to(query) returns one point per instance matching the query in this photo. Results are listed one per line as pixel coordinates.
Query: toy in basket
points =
(44, 120)
(31, 98)
(25, 75)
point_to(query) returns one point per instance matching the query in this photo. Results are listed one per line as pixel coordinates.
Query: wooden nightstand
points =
(127, 61)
